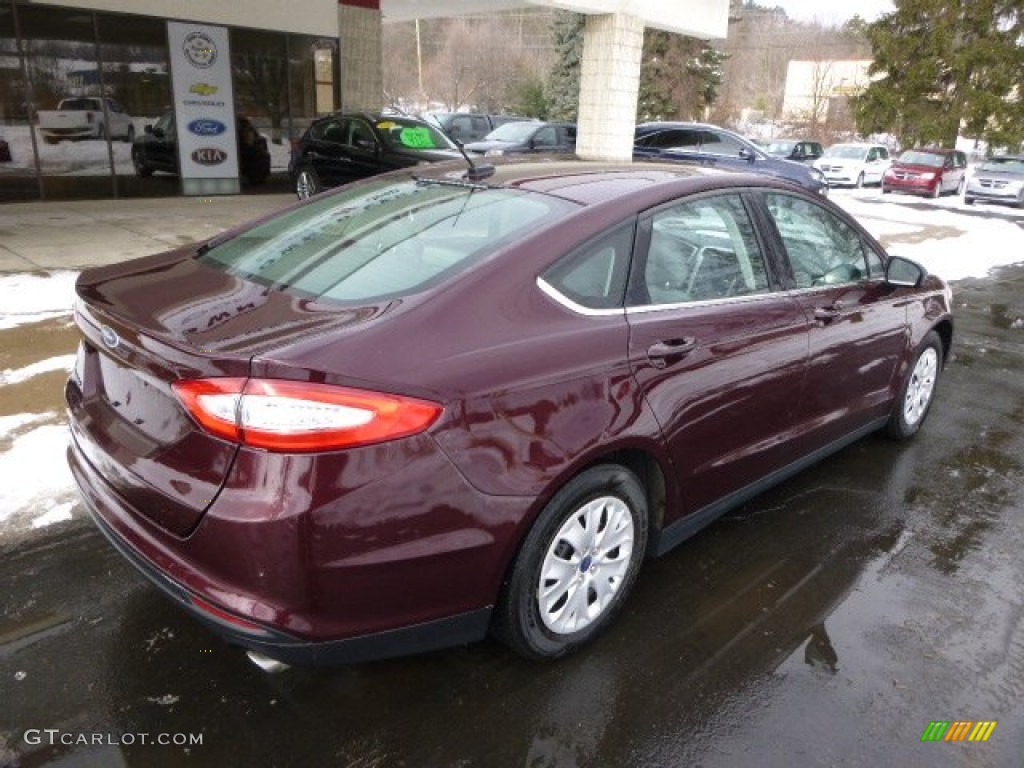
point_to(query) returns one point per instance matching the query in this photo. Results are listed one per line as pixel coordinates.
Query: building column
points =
(361, 56)
(609, 87)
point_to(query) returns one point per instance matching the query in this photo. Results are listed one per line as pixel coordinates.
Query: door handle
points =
(826, 315)
(660, 354)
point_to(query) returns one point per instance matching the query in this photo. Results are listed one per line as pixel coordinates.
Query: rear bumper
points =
(454, 630)
(287, 588)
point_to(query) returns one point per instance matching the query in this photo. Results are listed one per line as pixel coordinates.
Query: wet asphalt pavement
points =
(825, 623)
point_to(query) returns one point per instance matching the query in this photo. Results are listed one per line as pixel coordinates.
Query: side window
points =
(699, 251)
(480, 125)
(569, 134)
(883, 153)
(545, 137)
(874, 156)
(594, 276)
(714, 143)
(822, 248)
(330, 130)
(361, 135)
(676, 139)
(461, 126)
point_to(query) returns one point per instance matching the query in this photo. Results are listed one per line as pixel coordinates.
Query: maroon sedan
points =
(420, 409)
(928, 172)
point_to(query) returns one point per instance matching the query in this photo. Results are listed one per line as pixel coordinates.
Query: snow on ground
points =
(947, 237)
(31, 298)
(18, 375)
(37, 482)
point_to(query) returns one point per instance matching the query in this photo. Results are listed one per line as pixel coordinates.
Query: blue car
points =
(714, 146)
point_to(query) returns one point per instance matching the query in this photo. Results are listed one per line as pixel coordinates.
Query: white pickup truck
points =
(82, 117)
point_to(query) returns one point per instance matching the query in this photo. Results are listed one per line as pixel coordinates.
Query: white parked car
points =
(854, 165)
(83, 117)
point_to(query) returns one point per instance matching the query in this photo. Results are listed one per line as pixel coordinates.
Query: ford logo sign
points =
(209, 156)
(207, 127)
(109, 336)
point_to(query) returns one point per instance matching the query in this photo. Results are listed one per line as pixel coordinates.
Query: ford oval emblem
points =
(207, 127)
(109, 336)
(209, 156)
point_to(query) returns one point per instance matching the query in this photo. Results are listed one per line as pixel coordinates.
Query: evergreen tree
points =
(563, 91)
(946, 66)
(679, 79)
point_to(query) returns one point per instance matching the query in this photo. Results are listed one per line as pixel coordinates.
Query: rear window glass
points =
(383, 239)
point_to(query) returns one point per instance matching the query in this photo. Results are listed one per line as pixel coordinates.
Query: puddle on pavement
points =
(979, 481)
(922, 235)
(30, 343)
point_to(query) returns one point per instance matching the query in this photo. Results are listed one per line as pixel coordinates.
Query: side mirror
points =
(748, 154)
(904, 273)
(367, 145)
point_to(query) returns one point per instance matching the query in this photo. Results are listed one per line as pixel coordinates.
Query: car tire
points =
(141, 169)
(307, 184)
(567, 552)
(961, 187)
(129, 136)
(918, 390)
(969, 200)
(885, 190)
(859, 184)
(935, 193)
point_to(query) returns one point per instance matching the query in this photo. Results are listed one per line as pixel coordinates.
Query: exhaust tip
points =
(267, 664)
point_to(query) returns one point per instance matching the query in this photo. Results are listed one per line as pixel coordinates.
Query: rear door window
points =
(701, 250)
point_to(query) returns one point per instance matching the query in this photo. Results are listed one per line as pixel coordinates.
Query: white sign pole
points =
(204, 109)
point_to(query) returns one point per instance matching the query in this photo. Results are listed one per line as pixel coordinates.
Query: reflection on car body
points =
(420, 409)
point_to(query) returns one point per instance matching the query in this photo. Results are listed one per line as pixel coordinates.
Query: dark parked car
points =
(928, 172)
(998, 180)
(5, 151)
(157, 149)
(470, 126)
(521, 138)
(341, 148)
(419, 409)
(800, 150)
(716, 147)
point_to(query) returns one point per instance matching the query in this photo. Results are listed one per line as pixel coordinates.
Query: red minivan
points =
(928, 172)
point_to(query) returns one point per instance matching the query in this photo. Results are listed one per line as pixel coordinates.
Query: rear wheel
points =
(577, 564)
(307, 184)
(141, 168)
(969, 200)
(936, 191)
(918, 390)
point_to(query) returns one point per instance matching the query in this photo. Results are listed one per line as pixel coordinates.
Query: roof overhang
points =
(706, 19)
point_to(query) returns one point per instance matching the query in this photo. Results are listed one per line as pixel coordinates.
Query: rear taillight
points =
(296, 416)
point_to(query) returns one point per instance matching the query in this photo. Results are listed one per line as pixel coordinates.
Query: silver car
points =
(998, 180)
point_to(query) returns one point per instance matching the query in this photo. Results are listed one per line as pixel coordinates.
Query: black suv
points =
(157, 149)
(717, 147)
(345, 147)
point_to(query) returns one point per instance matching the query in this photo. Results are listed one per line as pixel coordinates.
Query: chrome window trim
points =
(831, 287)
(553, 293)
(749, 298)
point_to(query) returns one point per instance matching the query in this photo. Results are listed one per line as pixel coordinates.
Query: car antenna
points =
(475, 172)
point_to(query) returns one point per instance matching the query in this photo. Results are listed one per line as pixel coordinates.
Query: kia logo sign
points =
(207, 127)
(209, 156)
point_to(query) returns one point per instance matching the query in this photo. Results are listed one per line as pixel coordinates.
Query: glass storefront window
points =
(18, 179)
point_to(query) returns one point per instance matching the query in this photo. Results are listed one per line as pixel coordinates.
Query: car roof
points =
(592, 182)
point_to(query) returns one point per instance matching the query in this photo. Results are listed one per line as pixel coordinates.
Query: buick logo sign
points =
(209, 156)
(109, 336)
(200, 50)
(207, 127)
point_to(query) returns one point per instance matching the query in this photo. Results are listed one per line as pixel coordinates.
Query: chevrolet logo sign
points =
(203, 89)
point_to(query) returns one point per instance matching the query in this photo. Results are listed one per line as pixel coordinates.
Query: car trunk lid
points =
(147, 326)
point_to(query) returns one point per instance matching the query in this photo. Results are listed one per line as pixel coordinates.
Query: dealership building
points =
(197, 68)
